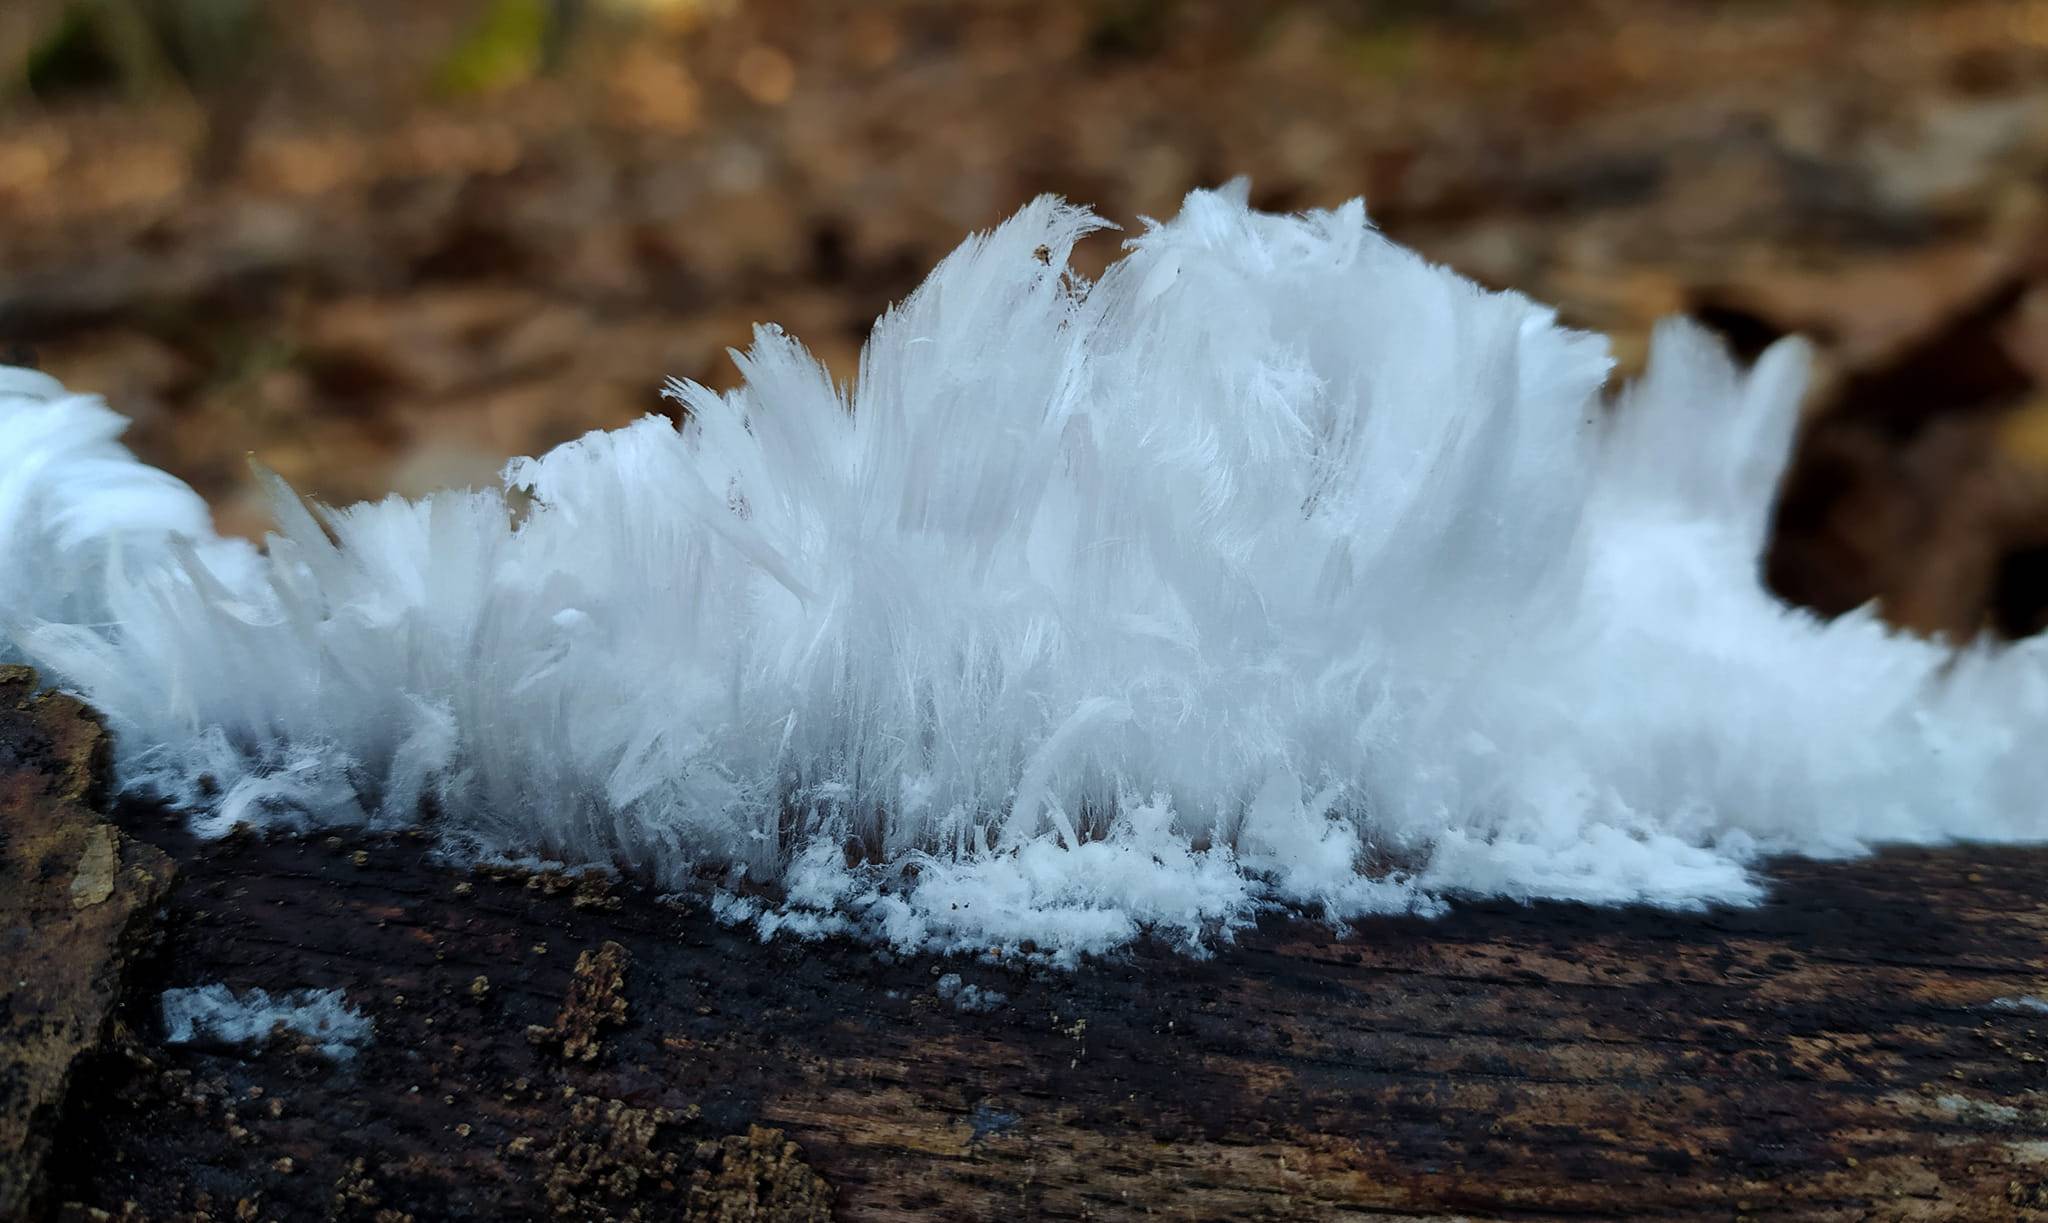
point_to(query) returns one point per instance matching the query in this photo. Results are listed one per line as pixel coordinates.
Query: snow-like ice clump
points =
(217, 1013)
(1277, 567)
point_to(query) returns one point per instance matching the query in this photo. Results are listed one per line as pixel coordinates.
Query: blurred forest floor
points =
(383, 245)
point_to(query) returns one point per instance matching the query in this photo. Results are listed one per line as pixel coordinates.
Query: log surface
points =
(1862, 1046)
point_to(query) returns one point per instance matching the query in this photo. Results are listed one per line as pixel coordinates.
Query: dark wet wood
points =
(1838, 1053)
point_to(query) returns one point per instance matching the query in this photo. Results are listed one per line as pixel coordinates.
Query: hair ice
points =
(1278, 566)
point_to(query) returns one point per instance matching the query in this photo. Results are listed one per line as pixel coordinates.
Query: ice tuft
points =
(1278, 567)
(215, 1012)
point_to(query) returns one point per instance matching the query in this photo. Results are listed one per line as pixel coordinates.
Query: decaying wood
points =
(1863, 1046)
(76, 899)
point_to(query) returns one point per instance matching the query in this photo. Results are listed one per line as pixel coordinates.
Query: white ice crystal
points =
(75, 506)
(972, 999)
(1279, 566)
(215, 1012)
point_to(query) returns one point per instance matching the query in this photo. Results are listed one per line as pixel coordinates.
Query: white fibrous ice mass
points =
(1276, 568)
(320, 1017)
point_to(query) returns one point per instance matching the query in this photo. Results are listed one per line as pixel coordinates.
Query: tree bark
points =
(77, 903)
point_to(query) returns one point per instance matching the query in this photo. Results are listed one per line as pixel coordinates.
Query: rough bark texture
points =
(1867, 1045)
(76, 899)
(1841, 1052)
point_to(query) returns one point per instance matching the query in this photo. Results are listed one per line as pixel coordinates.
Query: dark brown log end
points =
(78, 901)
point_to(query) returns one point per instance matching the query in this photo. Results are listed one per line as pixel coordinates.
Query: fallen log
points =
(1868, 1044)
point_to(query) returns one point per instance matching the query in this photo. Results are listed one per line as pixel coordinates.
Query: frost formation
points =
(1277, 567)
(215, 1012)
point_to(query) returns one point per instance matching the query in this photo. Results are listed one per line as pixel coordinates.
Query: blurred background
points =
(384, 244)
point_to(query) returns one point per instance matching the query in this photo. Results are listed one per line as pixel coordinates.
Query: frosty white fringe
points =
(215, 1012)
(1277, 566)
